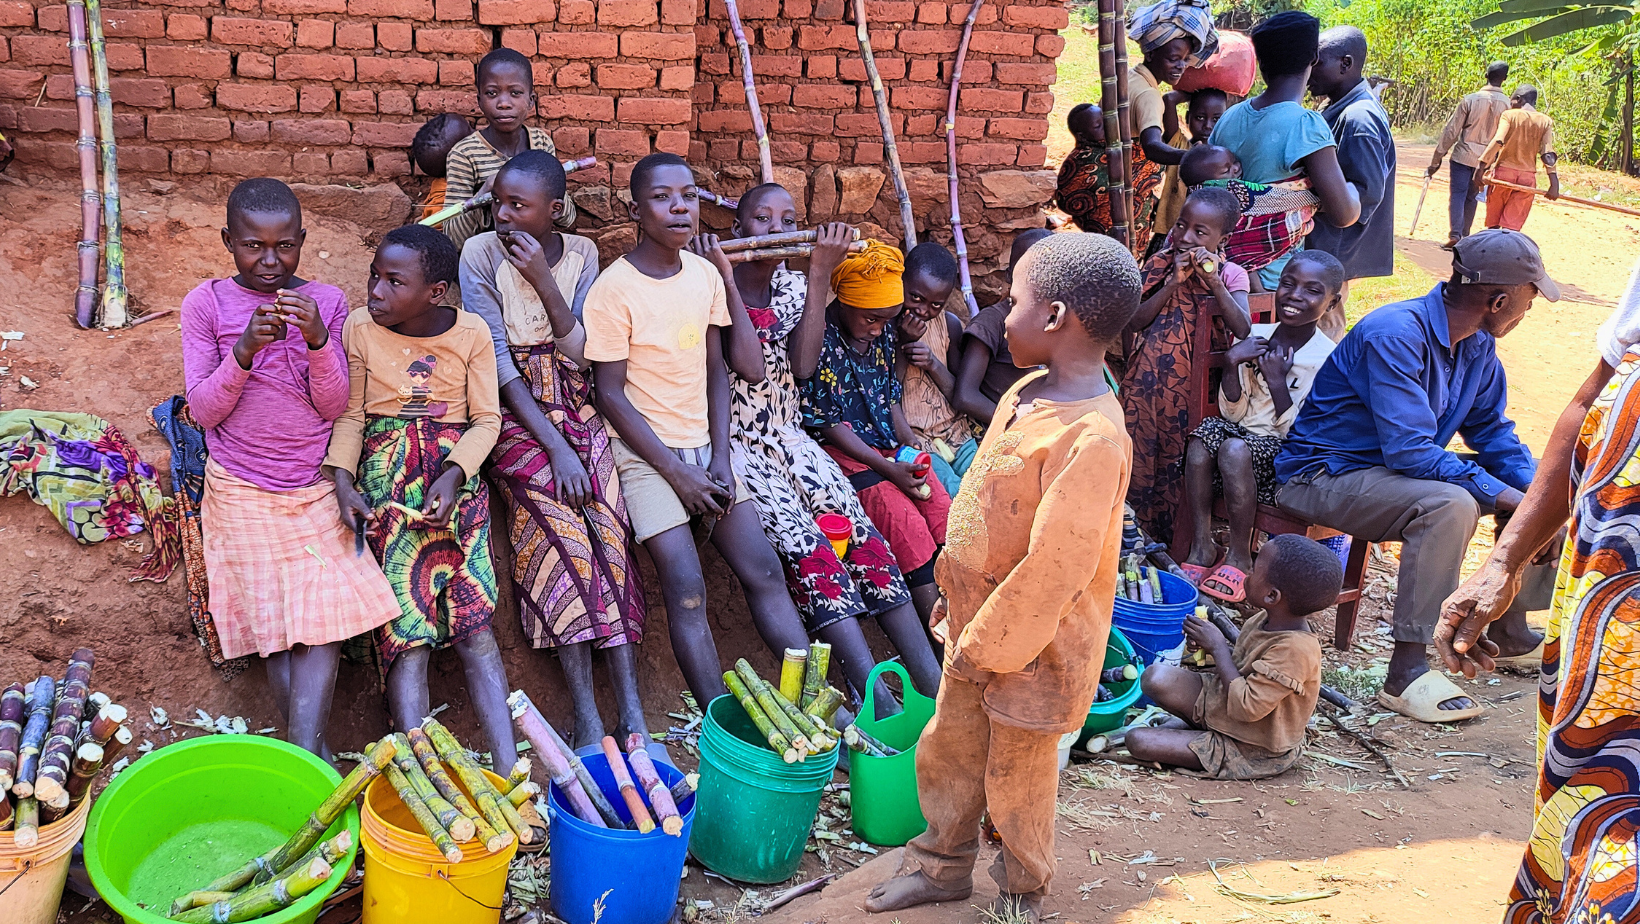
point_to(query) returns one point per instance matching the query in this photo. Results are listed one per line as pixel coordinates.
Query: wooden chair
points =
(1269, 519)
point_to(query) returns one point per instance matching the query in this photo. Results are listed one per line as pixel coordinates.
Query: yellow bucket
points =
(32, 878)
(406, 879)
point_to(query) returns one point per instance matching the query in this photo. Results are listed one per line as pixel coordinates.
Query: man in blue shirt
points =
(1368, 454)
(1366, 154)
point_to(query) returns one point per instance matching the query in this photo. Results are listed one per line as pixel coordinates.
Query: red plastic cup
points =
(838, 529)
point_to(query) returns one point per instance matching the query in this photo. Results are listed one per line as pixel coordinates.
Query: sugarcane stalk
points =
(119, 742)
(11, 734)
(857, 738)
(958, 239)
(546, 742)
(112, 309)
(27, 830)
(824, 706)
(791, 673)
(778, 742)
(791, 252)
(7, 813)
(685, 787)
(264, 899)
(105, 722)
(88, 761)
(629, 789)
(450, 818)
(65, 726)
(783, 239)
(717, 200)
(79, 53)
(332, 851)
(1124, 119)
(484, 200)
(818, 739)
(442, 841)
(660, 796)
(814, 680)
(1114, 111)
(588, 785)
(523, 793)
(199, 900)
(519, 775)
(764, 694)
(763, 154)
(579, 163)
(494, 840)
(498, 811)
(34, 736)
(891, 151)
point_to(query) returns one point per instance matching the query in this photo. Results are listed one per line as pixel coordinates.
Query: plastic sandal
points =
(1194, 573)
(1422, 699)
(1225, 583)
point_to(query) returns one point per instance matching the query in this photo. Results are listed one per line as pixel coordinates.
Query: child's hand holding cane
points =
(440, 504)
(267, 325)
(302, 312)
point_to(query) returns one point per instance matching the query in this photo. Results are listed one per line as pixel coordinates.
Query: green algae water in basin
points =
(186, 814)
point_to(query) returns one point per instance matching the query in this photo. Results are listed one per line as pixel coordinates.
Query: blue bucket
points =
(615, 875)
(1154, 629)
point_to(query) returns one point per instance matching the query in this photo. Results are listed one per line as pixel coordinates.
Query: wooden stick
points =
(11, 734)
(89, 250)
(451, 819)
(793, 252)
(34, 736)
(764, 157)
(660, 797)
(629, 790)
(442, 841)
(1564, 197)
(111, 312)
(958, 239)
(890, 150)
(1367, 743)
(494, 840)
(498, 811)
(535, 728)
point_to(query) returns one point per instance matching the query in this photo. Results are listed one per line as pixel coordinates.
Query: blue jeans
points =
(1461, 207)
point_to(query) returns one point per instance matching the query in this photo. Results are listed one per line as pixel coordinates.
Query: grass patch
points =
(1358, 683)
(1410, 281)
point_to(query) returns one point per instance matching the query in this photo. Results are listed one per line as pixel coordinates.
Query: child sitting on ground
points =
(422, 416)
(506, 96)
(1186, 282)
(1029, 580)
(1245, 719)
(574, 575)
(1202, 112)
(655, 324)
(930, 354)
(1271, 213)
(852, 403)
(430, 152)
(792, 481)
(1084, 177)
(988, 369)
(266, 374)
(1269, 375)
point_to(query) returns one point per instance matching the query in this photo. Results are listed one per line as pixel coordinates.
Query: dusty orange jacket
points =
(1029, 568)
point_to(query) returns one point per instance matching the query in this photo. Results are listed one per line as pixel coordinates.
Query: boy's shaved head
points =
(643, 172)
(502, 57)
(931, 259)
(1205, 95)
(749, 201)
(263, 196)
(439, 257)
(1307, 573)
(1497, 72)
(1093, 275)
(1221, 201)
(1024, 241)
(1527, 94)
(542, 167)
(1205, 162)
(1332, 271)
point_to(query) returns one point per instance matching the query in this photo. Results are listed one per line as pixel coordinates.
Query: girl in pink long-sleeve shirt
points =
(266, 375)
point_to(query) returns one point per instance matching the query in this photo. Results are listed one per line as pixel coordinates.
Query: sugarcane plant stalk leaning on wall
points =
(1124, 119)
(113, 313)
(958, 240)
(764, 157)
(890, 150)
(1115, 155)
(79, 53)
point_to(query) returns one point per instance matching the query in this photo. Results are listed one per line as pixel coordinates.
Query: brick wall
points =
(333, 90)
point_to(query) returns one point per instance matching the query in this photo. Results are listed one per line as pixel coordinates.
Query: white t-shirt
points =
(1622, 329)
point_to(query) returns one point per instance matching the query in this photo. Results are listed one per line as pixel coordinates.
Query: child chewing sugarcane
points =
(574, 577)
(266, 375)
(1029, 578)
(791, 480)
(930, 355)
(422, 415)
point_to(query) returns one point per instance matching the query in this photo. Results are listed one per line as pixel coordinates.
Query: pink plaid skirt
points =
(282, 569)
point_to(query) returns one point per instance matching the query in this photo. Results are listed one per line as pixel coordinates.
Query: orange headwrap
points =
(870, 279)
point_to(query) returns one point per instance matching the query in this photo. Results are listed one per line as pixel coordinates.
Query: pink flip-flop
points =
(1225, 583)
(1194, 573)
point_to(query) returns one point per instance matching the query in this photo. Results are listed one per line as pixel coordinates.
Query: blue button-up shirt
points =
(1395, 392)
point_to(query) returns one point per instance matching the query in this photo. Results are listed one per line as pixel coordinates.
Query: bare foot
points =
(913, 889)
(1015, 909)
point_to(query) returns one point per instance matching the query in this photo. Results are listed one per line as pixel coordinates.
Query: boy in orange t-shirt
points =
(1029, 578)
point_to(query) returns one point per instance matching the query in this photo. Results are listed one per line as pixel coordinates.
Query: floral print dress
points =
(792, 481)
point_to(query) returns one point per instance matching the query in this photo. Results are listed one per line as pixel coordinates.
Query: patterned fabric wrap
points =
(792, 481)
(1156, 25)
(1147, 182)
(573, 571)
(1275, 218)
(84, 470)
(1213, 432)
(1084, 189)
(444, 578)
(1580, 861)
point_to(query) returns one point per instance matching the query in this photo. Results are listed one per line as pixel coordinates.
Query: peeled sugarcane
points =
(596, 794)
(65, 726)
(857, 739)
(891, 151)
(498, 811)
(112, 311)
(1115, 155)
(763, 154)
(435, 831)
(814, 679)
(958, 239)
(262, 900)
(791, 673)
(766, 698)
(629, 789)
(522, 793)
(79, 53)
(494, 840)
(824, 706)
(263, 867)
(34, 736)
(546, 742)
(450, 818)
(660, 797)
(26, 833)
(519, 775)
(778, 742)
(11, 735)
(331, 851)
(485, 200)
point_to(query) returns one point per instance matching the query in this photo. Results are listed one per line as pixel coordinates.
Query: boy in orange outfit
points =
(1029, 576)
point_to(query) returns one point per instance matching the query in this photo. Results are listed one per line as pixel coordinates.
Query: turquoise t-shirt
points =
(1270, 142)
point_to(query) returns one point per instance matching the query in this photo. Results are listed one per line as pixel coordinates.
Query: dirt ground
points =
(1445, 848)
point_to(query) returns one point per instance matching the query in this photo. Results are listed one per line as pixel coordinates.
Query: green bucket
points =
(1110, 714)
(883, 790)
(753, 811)
(188, 813)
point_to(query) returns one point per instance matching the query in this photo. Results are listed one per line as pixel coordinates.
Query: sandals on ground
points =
(1225, 583)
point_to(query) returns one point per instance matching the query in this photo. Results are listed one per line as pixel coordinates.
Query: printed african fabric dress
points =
(792, 481)
(1084, 189)
(1580, 863)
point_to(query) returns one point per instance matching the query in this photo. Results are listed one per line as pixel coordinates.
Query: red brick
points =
(768, 94)
(919, 97)
(39, 50)
(263, 32)
(20, 84)
(824, 96)
(932, 14)
(516, 12)
(191, 96)
(992, 100)
(678, 12)
(309, 164)
(579, 107)
(397, 70)
(987, 154)
(1032, 155)
(923, 152)
(598, 45)
(708, 35)
(188, 128)
(662, 45)
(969, 128)
(185, 27)
(1002, 43)
(313, 67)
(724, 120)
(312, 131)
(455, 73)
(864, 124)
(5, 50)
(622, 142)
(190, 161)
(349, 35)
(453, 41)
(854, 69)
(1039, 103)
(975, 73)
(540, 73)
(1052, 18)
(51, 18)
(384, 134)
(132, 23)
(673, 142)
(778, 38)
(461, 101)
(890, 11)
(931, 41)
(256, 97)
(797, 10)
(788, 152)
(250, 132)
(519, 40)
(135, 159)
(317, 33)
(801, 123)
(389, 163)
(822, 38)
(654, 111)
(358, 101)
(924, 70)
(775, 66)
(16, 13)
(134, 91)
(316, 98)
(453, 10)
(574, 75)
(577, 12)
(418, 10)
(868, 152)
(1024, 75)
(624, 13)
(349, 163)
(1050, 46)
(250, 163)
(303, 7)
(825, 152)
(923, 124)
(625, 76)
(702, 95)
(1018, 129)
(47, 119)
(821, 67)
(396, 101)
(681, 77)
(395, 36)
(723, 150)
(177, 61)
(572, 139)
(255, 65)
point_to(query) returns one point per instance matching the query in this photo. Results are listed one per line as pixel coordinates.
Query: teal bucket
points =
(188, 813)
(753, 811)
(1112, 713)
(883, 790)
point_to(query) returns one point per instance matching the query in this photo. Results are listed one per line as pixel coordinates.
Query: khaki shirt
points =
(1523, 136)
(1472, 125)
